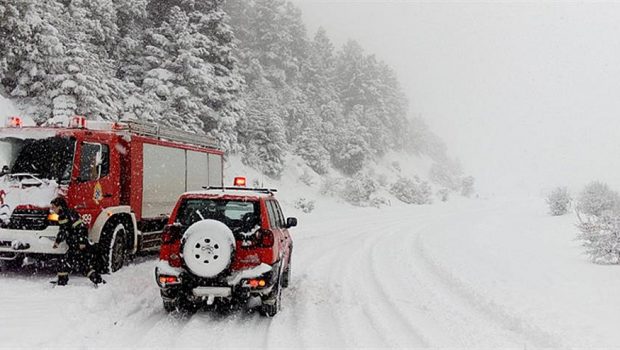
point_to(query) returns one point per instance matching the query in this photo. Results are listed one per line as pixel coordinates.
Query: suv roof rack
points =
(172, 134)
(260, 190)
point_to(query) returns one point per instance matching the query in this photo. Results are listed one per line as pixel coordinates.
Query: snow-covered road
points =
(474, 273)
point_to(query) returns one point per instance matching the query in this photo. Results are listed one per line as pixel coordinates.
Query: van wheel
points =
(114, 250)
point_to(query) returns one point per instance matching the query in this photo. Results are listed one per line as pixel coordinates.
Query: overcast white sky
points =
(527, 95)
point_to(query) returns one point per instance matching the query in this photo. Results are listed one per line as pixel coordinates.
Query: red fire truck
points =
(124, 179)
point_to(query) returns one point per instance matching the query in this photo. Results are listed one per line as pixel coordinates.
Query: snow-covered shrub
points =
(358, 190)
(412, 191)
(396, 166)
(306, 178)
(467, 186)
(332, 186)
(597, 199)
(379, 202)
(382, 180)
(443, 194)
(558, 201)
(600, 236)
(309, 147)
(446, 173)
(305, 205)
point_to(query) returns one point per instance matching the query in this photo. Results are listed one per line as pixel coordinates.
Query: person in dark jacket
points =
(81, 255)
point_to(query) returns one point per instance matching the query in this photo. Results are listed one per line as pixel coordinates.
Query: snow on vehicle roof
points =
(27, 133)
(229, 192)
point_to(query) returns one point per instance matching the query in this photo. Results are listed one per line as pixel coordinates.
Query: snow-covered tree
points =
(600, 237)
(318, 72)
(350, 151)
(599, 222)
(310, 148)
(597, 199)
(187, 71)
(443, 194)
(359, 190)
(412, 191)
(447, 173)
(558, 201)
(467, 186)
(31, 51)
(261, 132)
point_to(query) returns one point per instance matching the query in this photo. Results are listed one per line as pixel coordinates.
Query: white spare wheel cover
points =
(208, 247)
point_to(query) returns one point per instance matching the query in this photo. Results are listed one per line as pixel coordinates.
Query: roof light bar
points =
(78, 121)
(261, 190)
(239, 181)
(14, 122)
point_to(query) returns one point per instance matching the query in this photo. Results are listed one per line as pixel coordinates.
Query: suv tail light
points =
(266, 238)
(171, 245)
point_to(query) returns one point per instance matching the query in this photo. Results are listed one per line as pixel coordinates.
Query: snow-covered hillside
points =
(483, 273)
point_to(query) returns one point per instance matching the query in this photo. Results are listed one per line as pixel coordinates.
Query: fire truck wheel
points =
(12, 264)
(114, 246)
(208, 247)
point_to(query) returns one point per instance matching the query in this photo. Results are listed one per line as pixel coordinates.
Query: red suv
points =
(225, 245)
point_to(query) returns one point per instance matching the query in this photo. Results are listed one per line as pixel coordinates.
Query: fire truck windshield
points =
(49, 158)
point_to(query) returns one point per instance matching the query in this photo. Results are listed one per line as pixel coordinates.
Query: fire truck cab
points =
(124, 179)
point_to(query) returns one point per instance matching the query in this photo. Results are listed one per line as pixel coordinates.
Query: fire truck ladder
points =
(170, 134)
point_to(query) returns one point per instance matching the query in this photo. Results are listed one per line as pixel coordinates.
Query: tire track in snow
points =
(320, 299)
(400, 320)
(343, 262)
(372, 332)
(413, 290)
(484, 306)
(428, 295)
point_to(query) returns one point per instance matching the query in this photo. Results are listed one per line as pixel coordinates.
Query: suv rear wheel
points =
(180, 305)
(273, 303)
(286, 277)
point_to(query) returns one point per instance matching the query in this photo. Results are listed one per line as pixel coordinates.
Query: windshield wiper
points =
(27, 179)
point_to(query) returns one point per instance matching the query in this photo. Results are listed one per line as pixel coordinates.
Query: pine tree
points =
(309, 146)
(190, 74)
(351, 148)
(31, 51)
(262, 132)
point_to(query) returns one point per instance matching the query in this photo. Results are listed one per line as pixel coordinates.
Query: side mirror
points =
(291, 222)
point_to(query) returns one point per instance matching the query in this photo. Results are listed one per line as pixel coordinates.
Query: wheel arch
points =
(110, 215)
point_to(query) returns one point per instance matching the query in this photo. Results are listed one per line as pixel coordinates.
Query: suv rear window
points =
(240, 216)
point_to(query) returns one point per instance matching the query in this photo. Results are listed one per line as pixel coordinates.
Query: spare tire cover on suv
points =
(208, 248)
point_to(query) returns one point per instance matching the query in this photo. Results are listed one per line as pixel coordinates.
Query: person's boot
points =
(94, 277)
(63, 279)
